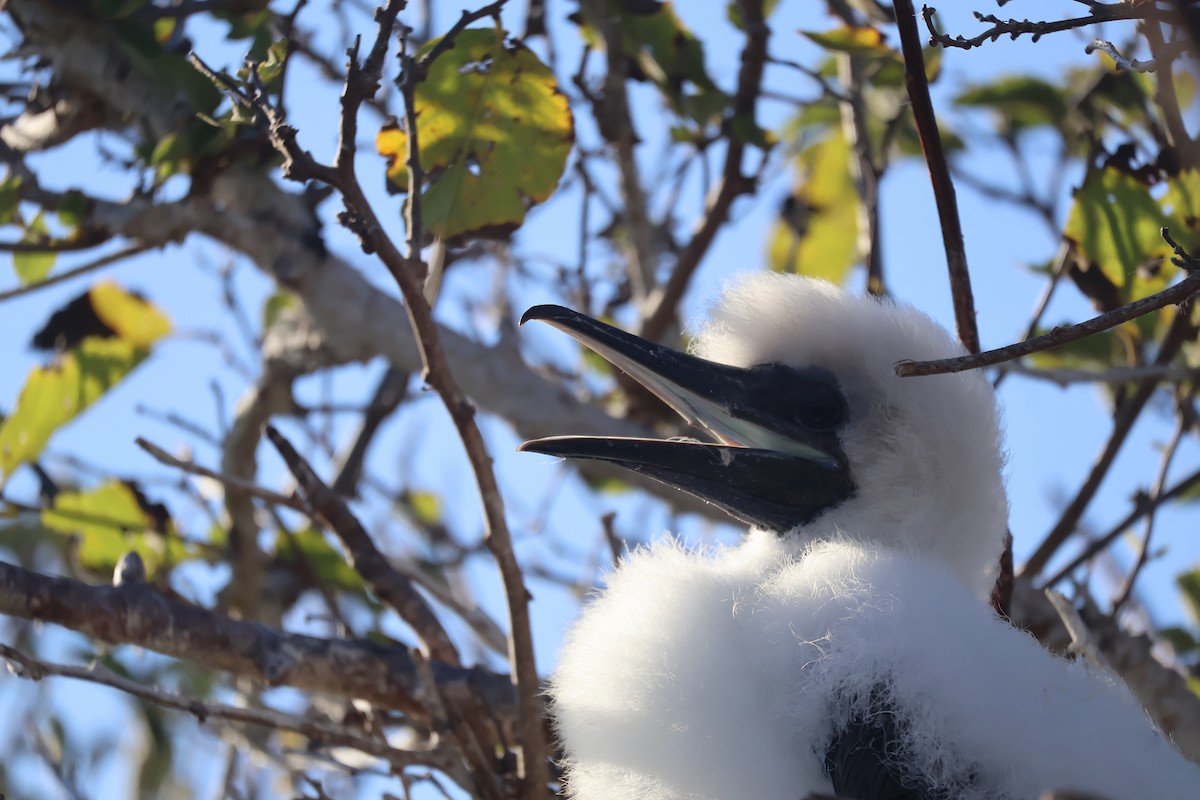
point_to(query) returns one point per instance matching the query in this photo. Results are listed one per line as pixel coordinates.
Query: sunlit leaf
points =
(494, 133)
(426, 506)
(1115, 223)
(133, 319)
(819, 234)
(54, 395)
(864, 41)
(275, 305)
(32, 266)
(110, 521)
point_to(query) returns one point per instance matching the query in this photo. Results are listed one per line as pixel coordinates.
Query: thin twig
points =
(1082, 641)
(408, 272)
(91, 266)
(1143, 506)
(1129, 410)
(733, 182)
(392, 587)
(1172, 295)
(318, 730)
(1182, 426)
(1016, 28)
(939, 174)
(252, 489)
(1168, 373)
(1062, 260)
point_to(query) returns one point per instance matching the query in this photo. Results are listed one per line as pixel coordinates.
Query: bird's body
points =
(854, 650)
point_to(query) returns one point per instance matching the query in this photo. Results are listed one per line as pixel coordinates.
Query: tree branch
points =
(137, 614)
(732, 184)
(319, 731)
(392, 587)
(939, 174)
(1172, 295)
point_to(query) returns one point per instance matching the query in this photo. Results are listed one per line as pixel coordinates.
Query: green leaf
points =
(275, 305)
(733, 12)
(33, 267)
(1180, 639)
(861, 41)
(326, 561)
(819, 237)
(74, 209)
(1189, 587)
(426, 507)
(10, 198)
(56, 394)
(110, 521)
(269, 71)
(1021, 101)
(1115, 223)
(494, 134)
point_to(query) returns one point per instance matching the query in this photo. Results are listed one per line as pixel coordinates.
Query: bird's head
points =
(815, 435)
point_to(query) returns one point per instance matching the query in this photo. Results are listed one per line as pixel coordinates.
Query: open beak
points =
(776, 463)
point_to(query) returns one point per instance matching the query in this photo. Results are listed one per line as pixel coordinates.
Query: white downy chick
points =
(847, 645)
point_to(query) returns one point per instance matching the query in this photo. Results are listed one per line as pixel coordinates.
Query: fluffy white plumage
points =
(723, 675)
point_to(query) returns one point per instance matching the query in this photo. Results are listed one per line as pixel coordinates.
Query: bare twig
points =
(91, 266)
(733, 182)
(362, 82)
(939, 175)
(1172, 295)
(1065, 377)
(1017, 28)
(1082, 641)
(1142, 507)
(318, 730)
(392, 587)
(1127, 414)
(252, 489)
(1183, 424)
(616, 126)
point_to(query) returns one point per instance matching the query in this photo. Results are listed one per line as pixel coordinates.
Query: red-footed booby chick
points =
(847, 645)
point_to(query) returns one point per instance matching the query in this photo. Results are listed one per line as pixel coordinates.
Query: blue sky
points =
(1052, 434)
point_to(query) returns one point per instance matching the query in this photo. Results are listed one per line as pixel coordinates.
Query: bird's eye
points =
(823, 413)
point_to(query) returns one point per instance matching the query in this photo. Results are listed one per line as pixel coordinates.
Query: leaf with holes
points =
(493, 131)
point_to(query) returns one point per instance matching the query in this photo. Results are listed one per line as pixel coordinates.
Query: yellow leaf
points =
(54, 395)
(494, 133)
(133, 319)
(819, 234)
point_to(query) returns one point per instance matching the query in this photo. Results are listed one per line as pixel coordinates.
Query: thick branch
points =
(136, 614)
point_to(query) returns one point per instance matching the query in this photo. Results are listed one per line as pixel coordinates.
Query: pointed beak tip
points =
(546, 311)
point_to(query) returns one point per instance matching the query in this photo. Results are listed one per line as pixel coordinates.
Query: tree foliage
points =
(344, 607)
